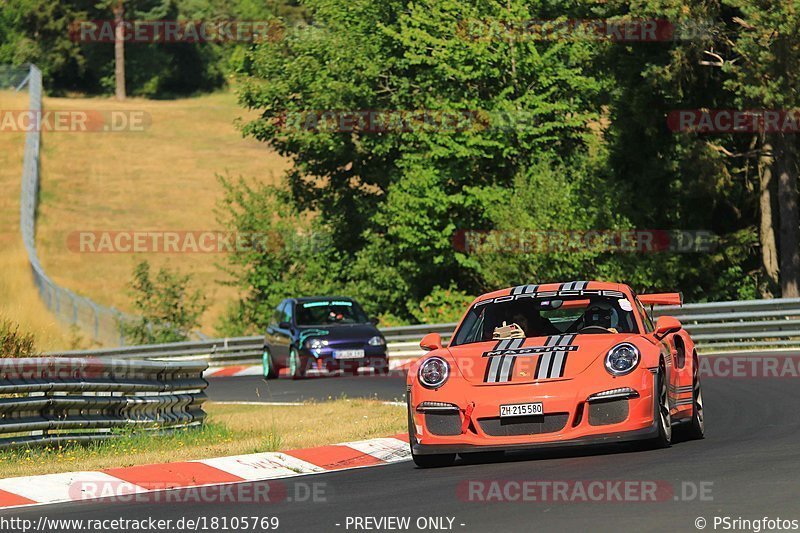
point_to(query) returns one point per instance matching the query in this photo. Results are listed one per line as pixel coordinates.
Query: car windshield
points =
(538, 317)
(329, 312)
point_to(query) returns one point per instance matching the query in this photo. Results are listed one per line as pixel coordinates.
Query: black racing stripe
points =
(538, 366)
(488, 367)
(511, 368)
(563, 365)
(530, 289)
(500, 367)
(517, 289)
(550, 366)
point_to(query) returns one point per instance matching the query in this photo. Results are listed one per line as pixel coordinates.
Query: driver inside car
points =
(600, 315)
(523, 316)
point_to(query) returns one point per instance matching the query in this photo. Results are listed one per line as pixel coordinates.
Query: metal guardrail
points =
(55, 400)
(714, 326)
(102, 323)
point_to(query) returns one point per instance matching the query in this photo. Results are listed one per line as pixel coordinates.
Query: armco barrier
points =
(52, 400)
(714, 326)
(101, 323)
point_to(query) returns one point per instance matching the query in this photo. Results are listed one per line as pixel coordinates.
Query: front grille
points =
(346, 345)
(608, 412)
(523, 425)
(444, 424)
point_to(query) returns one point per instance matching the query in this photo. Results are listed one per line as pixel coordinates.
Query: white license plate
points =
(348, 354)
(521, 409)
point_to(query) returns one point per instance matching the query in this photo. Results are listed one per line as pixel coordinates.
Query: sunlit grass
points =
(230, 430)
(164, 178)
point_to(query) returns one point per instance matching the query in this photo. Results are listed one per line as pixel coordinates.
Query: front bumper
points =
(373, 355)
(589, 440)
(565, 399)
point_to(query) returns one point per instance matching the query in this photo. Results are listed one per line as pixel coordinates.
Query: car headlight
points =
(622, 359)
(433, 372)
(316, 344)
(377, 340)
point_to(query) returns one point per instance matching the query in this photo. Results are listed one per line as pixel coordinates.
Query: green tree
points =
(168, 310)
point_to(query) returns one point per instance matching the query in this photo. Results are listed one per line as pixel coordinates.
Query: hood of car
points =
(533, 359)
(339, 333)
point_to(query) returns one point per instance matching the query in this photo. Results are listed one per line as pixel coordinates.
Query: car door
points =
(279, 338)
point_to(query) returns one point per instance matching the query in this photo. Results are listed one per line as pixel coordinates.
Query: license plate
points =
(521, 409)
(348, 354)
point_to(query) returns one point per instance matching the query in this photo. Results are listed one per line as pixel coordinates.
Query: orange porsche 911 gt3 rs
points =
(554, 365)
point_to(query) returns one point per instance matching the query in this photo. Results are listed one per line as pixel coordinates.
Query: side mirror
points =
(431, 341)
(666, 325)
(284, 325)
(374, 321)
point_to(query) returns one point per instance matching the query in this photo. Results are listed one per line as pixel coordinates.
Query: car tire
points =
(268, 368)
(661, 411)
(297, 364)
(696, 428)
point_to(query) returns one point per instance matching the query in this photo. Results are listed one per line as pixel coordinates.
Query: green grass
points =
(229, 430)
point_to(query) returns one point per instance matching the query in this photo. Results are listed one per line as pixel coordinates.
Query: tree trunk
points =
(766, 235)
(789, 239)
(119, 50)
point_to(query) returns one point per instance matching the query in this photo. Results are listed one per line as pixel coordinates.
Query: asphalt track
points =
(284, 389)
(750, 461)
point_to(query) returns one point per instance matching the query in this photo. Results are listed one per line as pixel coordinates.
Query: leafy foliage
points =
(168, 310)
(13, 342)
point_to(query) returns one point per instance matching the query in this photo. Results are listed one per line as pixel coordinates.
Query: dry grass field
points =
(163, 178)
(19, 299)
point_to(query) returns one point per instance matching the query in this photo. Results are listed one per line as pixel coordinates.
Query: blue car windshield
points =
(330, 312)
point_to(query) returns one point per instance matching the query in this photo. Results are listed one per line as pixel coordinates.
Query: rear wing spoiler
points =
(665, 298)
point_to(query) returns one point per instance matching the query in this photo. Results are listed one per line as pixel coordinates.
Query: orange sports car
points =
(551, 365)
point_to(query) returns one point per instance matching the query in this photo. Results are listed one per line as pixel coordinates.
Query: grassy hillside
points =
(19, 300)
(163, 178)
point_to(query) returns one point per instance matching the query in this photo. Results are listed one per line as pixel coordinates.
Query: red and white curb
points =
(395, 365)
(138, 480)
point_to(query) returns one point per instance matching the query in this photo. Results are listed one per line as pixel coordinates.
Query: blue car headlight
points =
(377, 340)
(622, 359)
(315, 344)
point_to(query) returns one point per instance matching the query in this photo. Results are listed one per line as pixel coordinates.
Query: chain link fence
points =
(101, 323)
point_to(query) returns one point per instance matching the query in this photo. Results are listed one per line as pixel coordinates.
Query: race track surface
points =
(255, 389)
(750, 462)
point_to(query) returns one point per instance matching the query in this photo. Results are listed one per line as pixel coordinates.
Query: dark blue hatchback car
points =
(329, 333)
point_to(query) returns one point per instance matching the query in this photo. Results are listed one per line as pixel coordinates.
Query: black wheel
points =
(664, 419)
(297, 364)
(696, 429)
(426, 461)
(268, 368)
